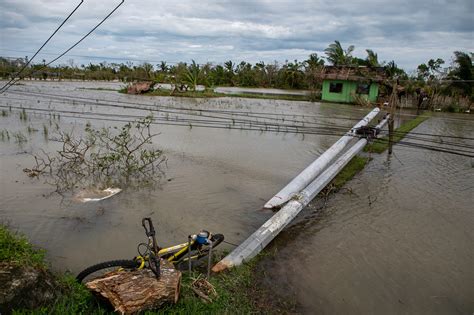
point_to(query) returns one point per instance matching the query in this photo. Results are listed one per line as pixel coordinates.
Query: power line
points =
(171, 122)
(225, 125)
(69, 49)
(204, 124)
(231, 115)
(44, 44)
(431, 148)
(261, 115)
(110, 58)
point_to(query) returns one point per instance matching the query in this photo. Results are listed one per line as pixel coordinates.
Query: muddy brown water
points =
(401, 242)
(216, 179)
(398, 239)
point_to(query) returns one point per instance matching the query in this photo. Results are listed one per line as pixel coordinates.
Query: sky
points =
(409, 32)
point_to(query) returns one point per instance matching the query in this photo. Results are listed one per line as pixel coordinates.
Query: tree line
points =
(455, 79)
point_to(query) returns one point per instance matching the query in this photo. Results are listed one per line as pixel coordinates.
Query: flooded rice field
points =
(399, 238)
(215, 178)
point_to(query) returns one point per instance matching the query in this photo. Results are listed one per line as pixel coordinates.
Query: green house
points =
(344, 84)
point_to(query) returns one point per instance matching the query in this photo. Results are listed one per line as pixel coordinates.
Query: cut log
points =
(135, 291)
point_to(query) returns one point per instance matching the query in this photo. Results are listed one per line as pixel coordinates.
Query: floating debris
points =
(94, 195)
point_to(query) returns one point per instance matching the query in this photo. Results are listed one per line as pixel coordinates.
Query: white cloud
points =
(410, 32)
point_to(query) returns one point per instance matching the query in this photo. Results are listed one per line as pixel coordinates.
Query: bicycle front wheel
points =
(97, 270)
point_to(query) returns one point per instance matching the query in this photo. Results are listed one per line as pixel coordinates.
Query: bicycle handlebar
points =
(150, 233)
(150, 230)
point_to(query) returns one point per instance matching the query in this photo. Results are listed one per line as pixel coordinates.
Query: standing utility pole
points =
(393, 106)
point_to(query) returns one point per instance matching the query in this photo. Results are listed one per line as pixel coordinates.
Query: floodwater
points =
(399, 239)
(216, 179)
(234, 90)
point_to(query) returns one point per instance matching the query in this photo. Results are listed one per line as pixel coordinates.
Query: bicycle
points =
(198, 246)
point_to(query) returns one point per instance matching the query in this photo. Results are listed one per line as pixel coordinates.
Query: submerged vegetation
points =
(104, 157)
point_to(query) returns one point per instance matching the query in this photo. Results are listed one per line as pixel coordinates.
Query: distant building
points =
(343, 84)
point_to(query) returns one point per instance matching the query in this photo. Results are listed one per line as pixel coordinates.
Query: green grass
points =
(73, 298)
(354, 166)
(232, 287)
(379, 146)
(235, 288)
(16, 248)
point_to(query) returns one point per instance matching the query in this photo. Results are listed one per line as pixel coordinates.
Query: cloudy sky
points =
(407, 31)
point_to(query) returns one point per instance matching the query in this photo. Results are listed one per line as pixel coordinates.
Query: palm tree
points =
(337, 55)
(462, 72)
(164, 67)
(393, 71)
(372, 58)
(192, 75)
(293, 73)
(229, 72)
(313, 61)
(148, 68)
(229, 66)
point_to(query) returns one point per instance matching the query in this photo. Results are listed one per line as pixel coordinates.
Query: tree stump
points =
(135, 291)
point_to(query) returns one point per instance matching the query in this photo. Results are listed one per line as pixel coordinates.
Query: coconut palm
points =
(293, 74)
(372, 58)
(337, 55)
(229, 72)
(462, 72)
(164, 67)
(148, 69)
(313, 61)
(191, 75)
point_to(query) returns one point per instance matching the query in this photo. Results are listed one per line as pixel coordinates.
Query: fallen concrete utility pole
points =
(315, 168)
(270, 229)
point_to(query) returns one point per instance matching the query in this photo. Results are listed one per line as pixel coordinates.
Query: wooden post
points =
(393, 105)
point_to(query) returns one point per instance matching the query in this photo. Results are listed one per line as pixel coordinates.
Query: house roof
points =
(354, 73)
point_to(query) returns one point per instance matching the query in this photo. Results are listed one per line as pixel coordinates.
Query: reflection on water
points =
(399, 241)
(216, 179)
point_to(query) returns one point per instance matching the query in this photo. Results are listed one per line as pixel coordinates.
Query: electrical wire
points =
(244, 113)
(235, 116)
(44, 44)
(175, 122)
(69, 49)
(411, 135)
(204, 124)
(223, 122)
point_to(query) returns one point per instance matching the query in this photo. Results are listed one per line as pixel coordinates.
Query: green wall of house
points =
(348, 89)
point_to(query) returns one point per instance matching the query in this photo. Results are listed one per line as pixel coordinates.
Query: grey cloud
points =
(408, 31)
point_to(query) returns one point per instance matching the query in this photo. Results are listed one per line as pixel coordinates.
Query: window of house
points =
(335, 87)
(363, 88)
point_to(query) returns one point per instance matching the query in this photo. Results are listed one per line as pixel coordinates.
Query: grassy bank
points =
(380, 145)
(71, 297)
(354, 166)
(236, 288)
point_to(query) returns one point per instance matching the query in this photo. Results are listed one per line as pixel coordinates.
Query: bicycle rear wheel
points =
(97, 270)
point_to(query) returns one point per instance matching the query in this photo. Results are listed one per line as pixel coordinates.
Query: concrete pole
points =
(315, 168)
(270, 229)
